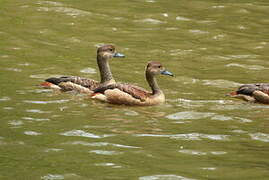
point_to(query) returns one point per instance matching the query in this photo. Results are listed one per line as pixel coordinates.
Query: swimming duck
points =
(129, 94)
(84, 85)
(257, 93)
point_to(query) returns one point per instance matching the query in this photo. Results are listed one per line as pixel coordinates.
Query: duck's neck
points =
(153, 84)
(105, 73)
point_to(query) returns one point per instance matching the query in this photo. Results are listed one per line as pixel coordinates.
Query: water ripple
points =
(260, 136)
(180, 18)
(239, 131)
(178, 52)
(59, 176)
(84, 134)
(131, 113)
(150, 21)
(97, 144)
(52, 177)
(190, 136)
(15, 123)
(13, 69)
(2, 142)
(5, 98)
(220, 83)
(251, 67)
(32, 133)
(8, 108)
(46, 102)
(218, 7)
(65, 10)
(198, 103)
(198, 31)
(88, 70)
(189, 115)
(37, 111)
(53, 150)
(164, 177)
(102, 152)
(227, 118)
(50, 3)
(35, 119)
(243, 56)
(209, 168)
(107, 164)
(193, 152)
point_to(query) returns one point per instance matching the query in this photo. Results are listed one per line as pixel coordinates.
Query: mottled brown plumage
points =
(258, 93)
(67, 83)
(129, 94)
(134, 91)
(87, 83)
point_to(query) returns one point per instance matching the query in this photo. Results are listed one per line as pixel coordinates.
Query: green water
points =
(211, 46)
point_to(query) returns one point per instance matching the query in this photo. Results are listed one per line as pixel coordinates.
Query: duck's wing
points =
(87, 83)
(248, 89)
(135, 91)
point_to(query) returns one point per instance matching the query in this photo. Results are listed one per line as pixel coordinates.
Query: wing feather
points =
(248, 89)
(135, 91)
(88, 83)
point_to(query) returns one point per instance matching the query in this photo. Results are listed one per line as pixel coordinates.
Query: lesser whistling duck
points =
(129, 94)
(84, 85)
(257, 93)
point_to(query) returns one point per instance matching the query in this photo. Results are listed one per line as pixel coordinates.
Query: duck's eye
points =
(111, 50)
(159, 66)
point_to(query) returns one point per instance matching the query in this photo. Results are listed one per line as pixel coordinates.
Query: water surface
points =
(211, 46)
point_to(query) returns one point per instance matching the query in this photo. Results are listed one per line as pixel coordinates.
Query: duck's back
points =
(134, 91)
(248, 89)
(87, 83)
(128, 94)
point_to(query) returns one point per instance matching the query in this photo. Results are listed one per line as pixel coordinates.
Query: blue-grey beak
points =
(118, 55)
(164, 72)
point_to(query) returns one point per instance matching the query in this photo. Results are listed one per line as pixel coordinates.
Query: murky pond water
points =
(211, 47)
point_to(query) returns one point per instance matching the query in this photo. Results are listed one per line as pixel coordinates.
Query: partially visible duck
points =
(129, 94)
(257, 93)
(67, 83)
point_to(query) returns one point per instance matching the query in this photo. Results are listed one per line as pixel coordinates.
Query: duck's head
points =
(108, 52)
(155, 68)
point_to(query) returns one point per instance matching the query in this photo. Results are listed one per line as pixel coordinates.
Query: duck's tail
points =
(232, 94)
(49, 85)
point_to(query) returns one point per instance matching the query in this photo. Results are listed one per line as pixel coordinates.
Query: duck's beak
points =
(165, 72)
(118, 55)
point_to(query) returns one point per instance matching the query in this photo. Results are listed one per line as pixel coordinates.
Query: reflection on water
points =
(199, 133)
(97, 144)
(260, 136)
(160, 177)
(32, 133)
(83, 134)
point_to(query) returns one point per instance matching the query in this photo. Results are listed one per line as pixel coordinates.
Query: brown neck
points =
(153, 83)
(104, 69)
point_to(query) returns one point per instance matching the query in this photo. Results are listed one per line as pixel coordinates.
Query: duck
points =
(254, 93)
(84, 85)
(129, 94)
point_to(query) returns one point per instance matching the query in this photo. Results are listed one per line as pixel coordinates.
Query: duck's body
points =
(129, 94)
(258, 93)
(84, 85)
(65, 82)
